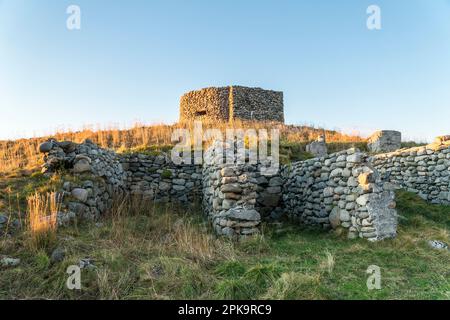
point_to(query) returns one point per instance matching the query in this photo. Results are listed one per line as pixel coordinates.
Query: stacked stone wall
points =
(341, 190)
(96, 174)
(422, 170)
(232, 103)
(157, 178)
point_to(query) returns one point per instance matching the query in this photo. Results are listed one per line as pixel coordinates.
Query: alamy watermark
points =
(374, 280)
(374, 19)
(74, 280)
(73, 22)
(239, 146)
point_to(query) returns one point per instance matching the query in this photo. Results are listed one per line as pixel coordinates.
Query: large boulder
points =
(385, 141)
(46, 147)
(318, 148)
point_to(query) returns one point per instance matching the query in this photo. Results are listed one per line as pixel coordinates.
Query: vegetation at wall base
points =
(148, 251)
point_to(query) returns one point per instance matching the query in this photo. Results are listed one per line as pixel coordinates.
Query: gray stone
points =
(385, 141)
(164, 186)
(383, 215)
(179, 187)
(275, 182)
(243, 214)
(87, 263)
(362, 200)
(336, 173)
(46, 147)
(227, 172)
(344, 216)
(80, 194)
(228, 232)
(57, 255)
(436, 244)
(334, 218)
(179, 181)
(82, 166)
(9, 262)
(3, 219)
(318, 148)
(231, 188)
(355, 158)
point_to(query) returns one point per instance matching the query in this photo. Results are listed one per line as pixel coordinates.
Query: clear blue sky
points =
(132, 60)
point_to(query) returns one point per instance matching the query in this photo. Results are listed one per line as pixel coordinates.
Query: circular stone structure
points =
(232, 103)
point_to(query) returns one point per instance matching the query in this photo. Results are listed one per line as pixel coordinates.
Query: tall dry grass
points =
(42, 219)
(171, 228)
(24, 153)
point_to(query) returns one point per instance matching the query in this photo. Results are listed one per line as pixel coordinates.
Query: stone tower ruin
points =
(232, 103)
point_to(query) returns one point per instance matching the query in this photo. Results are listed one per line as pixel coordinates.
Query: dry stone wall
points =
(232, 103)
(256, 104)
(209, 104)
(237, 196)
(157, 178)
(97, 176)
(423, 170)
(340, 190)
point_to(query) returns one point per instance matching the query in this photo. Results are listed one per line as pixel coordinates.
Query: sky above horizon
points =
(132, 60)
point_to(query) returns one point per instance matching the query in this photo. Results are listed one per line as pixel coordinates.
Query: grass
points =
(42, 219)
(148, 251)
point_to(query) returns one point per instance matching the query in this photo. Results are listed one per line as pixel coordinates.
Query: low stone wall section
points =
(341, 190)
(422, 170)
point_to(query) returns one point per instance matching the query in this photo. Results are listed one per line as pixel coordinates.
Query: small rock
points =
(86, 263)
(3, 219)
(436, 244)
(9, 262)
(57, 255)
